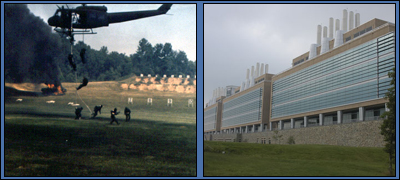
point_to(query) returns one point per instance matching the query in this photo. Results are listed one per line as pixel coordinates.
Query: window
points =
(356, 34)
(368, 29)
(377, 112)
(362, 32)
(354, 116)
(348, 38)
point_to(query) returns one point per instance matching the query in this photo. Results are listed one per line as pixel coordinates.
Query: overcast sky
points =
(236, 37)
(179, 29)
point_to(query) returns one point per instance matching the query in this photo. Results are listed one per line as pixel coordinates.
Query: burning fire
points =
(56, 90)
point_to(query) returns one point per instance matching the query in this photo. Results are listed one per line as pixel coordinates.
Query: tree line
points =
(102, 65)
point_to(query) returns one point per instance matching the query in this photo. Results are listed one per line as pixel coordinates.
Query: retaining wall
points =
(358, 134)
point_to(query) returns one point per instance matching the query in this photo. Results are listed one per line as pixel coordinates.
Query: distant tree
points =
(388, 127)
(291, 140)
(277, 137)
(102, 65)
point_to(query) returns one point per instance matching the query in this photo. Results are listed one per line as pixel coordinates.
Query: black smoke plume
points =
(31, 49)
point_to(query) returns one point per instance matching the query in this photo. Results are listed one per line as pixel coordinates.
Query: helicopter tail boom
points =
(128, 16)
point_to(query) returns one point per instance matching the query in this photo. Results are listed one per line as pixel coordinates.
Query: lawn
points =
(246, 159)
(45, 140)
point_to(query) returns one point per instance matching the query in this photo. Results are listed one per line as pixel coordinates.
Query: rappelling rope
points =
(77, 94)
(84, 102)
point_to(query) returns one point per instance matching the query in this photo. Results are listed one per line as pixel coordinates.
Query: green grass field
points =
(45, 140)
(247, 159)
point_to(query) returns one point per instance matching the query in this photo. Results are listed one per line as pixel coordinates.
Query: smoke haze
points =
(31, 49)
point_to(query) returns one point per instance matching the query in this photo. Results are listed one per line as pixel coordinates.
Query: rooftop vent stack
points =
(313, 51)
(337, 25)
(257, 70)
(319, 29)
(357, 19)
(242, 86)
(224, 91)
(351, 20)
(213, 96)
(325, 32)
(251, 81)
(338, 38)
(247, 85)
(252, 72)
(266, 68)
(331, 28)
(262, 69)
(344, 22)
(325, 45)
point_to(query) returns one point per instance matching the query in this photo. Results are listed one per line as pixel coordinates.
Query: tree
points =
(388, 127)
(277, 137)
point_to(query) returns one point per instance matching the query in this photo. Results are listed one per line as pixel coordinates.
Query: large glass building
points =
(335, 83)
(356, 75)
(345, 84)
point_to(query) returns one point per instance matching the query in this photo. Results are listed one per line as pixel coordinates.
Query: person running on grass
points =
(113, 114)
(127, 113)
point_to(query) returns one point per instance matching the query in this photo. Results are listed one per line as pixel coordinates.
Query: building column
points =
(254, 127)
(261, 127)
(361, 111)
(246, 129)
(386, 107)
(292, 123)
(280, 125)
(339, 117)
(270, 126)
(321, 119)
(305, 121)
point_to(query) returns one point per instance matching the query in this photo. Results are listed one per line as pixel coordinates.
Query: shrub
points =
(158, 79)
(291, 140)
(191, 81)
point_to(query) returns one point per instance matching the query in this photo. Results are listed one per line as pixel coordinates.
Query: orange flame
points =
(59, 90)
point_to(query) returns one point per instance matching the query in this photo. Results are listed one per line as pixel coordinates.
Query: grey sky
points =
(179, 29)
(236, 37)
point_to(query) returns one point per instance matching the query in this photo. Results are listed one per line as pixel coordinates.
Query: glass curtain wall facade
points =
(356, 75)
(243, 109)
(210, 119)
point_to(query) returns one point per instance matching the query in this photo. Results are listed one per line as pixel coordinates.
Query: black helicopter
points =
(84, 17)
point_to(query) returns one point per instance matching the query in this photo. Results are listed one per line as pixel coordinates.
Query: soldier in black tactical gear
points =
(71, 61)
(97, 109)
(113, 113)
(82, 54)
(127, 113)
(84, 83)
(78, 111)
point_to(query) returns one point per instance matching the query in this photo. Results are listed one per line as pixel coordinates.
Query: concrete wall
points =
(359, 134)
